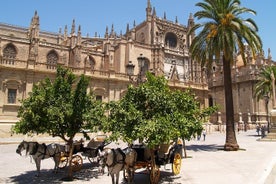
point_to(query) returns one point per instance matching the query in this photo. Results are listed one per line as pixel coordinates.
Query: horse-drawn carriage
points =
(79, 150)
(129, 159)
(164, 154)
(150, 159)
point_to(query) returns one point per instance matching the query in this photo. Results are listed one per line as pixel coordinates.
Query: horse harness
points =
(115, 161)
(34, 148)
(43, 153)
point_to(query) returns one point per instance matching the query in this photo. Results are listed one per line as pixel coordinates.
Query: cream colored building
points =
(28, 55)
(248, 111)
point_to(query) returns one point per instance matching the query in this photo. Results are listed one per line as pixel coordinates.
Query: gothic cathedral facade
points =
(28, 55)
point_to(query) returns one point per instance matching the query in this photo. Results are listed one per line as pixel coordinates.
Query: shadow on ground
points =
(48, 176)
(87, 172)
(253, 135)
(205, 147)
(165, 176)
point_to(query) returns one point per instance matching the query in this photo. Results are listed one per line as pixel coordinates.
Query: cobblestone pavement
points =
(206, 163)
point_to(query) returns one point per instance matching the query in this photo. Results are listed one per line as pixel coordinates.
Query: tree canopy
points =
(264, 86)
(154, 113)
(223, 33)
(61, 107)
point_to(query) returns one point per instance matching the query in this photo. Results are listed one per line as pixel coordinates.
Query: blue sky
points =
(95, 15)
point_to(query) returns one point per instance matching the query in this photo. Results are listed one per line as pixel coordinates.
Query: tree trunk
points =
(70, 169)
(231, 141)
(184, 149)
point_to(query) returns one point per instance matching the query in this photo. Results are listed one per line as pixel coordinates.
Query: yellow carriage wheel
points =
(76, 163)
(63, 162)
(176, 165)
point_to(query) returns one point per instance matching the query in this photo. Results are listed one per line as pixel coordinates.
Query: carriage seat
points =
(96, 141)
(164, 150)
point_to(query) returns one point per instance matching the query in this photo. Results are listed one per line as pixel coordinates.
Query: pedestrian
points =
(263, 131)
(204, 134)
(258, 130)
(198, 137)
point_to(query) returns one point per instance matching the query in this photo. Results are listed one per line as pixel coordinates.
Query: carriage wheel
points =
(154, 175)
(63, 162)
(76, 163)
(176, 164)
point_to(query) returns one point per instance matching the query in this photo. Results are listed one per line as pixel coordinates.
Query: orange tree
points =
(222, 33)
(154, 113)
(62, 108)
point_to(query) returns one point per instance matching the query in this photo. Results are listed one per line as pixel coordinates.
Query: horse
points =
(41, 151)
(117, 160)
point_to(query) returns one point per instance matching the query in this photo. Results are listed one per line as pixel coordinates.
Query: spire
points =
(191, 20)
(176, 20)
(34, 27)
(148, 10)
(35, 19)
(106, 32)
(79, 36)
(149, 4)
(269, 57)
(191, 16)
(112, 33)
(153, 12)
(127, 28)
(65, 32)
(165, 17)
(134, 24)
(79, 30)
(73, 27)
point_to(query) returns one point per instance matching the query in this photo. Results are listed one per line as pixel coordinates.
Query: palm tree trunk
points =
(231, 141)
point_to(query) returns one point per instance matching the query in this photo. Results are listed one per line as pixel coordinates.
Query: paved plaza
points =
(207, 163)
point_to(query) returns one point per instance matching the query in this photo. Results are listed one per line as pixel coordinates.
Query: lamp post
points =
(266, 99)
(130, 69)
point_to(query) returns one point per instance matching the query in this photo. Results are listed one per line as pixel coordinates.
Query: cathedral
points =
(29, 55)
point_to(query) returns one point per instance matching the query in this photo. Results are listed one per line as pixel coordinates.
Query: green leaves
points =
(264, 85)
(155, 114)
(58, 108)
(224, 31)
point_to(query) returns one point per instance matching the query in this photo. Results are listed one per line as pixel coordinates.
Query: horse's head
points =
(102, 157)
(22, 146)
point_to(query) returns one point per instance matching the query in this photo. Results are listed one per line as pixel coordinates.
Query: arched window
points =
(90, 63)
(145, 68)
(171, 40)
(9, 54)
(142, 38)
(52, 59)
(211, 102)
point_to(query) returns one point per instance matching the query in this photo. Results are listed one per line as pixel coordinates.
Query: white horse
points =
(41, 151)
(117, 160)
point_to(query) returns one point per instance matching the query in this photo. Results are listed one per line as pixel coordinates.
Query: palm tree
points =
(265, 84)
(222, 33)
